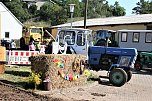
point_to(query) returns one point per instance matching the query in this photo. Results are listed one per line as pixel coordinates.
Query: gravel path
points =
(139, 88)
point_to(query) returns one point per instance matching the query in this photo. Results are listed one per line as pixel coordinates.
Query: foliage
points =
(117, 10)
(33, 9)
(34, 78)
(53, 13)
(17, 8)
(143, 7)
(92, 77)
(57, 11)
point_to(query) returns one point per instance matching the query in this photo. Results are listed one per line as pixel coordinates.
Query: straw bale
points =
(53, 64)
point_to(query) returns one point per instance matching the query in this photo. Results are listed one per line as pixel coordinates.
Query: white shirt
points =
(13, 45)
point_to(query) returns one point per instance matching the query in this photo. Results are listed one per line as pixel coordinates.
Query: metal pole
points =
(71, 19)
(85, 16)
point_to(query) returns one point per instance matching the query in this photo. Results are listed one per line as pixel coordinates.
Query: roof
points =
(10, 13)
(74, 29)
(132, 19)
(126, 30)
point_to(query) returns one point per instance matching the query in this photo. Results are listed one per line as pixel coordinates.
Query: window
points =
(124, 36)
(148, 37)
(149, 27)
(81, 39)
(6, 34)
(67, 36)
(36, 30)
(136, 36)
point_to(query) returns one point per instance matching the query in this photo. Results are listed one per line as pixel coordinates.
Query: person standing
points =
(32, 46)
(22, 43)
(13, 45)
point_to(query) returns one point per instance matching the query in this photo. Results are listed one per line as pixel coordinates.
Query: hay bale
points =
(58, 67)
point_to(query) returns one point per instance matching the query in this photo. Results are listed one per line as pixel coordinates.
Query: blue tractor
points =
(117, 61)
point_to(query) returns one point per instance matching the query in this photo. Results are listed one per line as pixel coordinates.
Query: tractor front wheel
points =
(118, 77)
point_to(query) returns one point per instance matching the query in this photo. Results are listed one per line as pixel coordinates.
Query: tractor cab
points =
(105, 37)
(76, 40)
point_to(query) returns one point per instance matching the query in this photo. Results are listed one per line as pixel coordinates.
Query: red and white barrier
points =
(19, 57)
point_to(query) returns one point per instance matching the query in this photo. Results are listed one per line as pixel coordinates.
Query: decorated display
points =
(63, 70)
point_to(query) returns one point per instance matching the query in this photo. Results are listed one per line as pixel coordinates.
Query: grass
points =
(92, 78)
(17, 76)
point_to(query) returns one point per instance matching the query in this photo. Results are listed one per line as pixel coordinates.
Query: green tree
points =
(17, 8)
(101, 8)
(53, 13)
(32, 9)
(118, 10)
(143, 7)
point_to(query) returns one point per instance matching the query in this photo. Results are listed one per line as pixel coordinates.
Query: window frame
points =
(126, 36)
(82, 35)
(7, 34)
(138, 37)
(146, 37)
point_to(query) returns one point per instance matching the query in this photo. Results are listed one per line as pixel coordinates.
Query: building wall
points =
(116, 27)
(140, 46)
(119, 27)
(10, 24)
(2, 10)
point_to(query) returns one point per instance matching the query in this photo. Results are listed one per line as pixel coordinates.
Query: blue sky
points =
(127, 4)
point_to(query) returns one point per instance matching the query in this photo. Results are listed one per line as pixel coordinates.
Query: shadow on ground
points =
(18, 73)
(103, 80)
(18, 84)
(143, 72)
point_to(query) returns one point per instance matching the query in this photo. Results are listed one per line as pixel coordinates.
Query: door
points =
(80, 46)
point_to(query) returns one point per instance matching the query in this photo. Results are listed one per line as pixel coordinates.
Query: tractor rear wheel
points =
(118, 77)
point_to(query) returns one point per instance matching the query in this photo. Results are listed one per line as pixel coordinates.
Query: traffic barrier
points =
(19, 57)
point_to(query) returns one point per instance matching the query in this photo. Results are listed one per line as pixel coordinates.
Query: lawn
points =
(17, 76)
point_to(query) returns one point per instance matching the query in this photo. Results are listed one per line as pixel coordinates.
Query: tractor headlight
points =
(124, 61)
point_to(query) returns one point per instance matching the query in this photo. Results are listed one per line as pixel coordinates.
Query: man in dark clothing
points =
(22, 43)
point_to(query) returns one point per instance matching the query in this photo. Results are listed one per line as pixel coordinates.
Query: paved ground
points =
(139, 88)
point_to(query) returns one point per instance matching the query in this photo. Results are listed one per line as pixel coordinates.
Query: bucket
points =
(47, 84)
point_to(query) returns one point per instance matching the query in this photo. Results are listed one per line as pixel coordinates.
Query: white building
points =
(10, 26)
